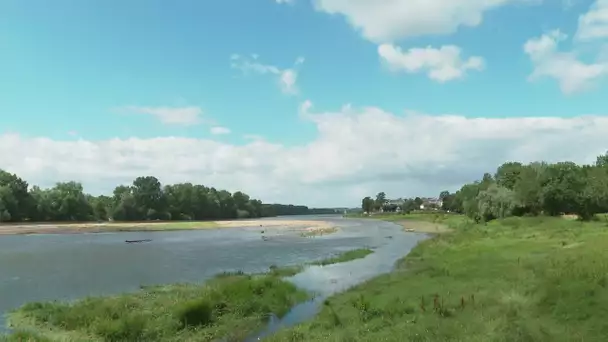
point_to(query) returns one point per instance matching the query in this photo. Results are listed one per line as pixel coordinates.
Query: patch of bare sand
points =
(308, 226)
(423, 227)
(96, 227)
(84, 227)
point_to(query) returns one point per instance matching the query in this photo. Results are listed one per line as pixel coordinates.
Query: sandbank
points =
(101, 227)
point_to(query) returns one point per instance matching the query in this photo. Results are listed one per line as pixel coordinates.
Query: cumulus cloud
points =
(587, 61)
(284, 1)
(385, 21)
(442, 64)
(218, 130)
(170, 115)
(356, 152)
(594, 24)
(286, 78)
(572, 74)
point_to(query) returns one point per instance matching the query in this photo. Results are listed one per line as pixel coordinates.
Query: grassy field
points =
(344, 257)
(518, 279)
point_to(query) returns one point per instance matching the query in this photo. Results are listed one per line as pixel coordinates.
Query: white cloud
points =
(285, 1)
(572, 74)
(305, 107)
(587, 61)
(170, 115)
(594, 24)
(442, 65)
(286, 78)
(356, 152)
(385, 21)
(218, 130)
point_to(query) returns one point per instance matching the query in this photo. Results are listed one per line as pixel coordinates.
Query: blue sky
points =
(91, 71)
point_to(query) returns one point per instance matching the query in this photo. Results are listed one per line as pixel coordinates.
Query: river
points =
(69, 266)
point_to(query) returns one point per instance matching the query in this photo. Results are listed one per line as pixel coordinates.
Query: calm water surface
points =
(65, 267)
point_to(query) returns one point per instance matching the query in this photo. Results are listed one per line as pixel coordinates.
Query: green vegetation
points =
(285, 271)
(230, 306)
(344, 257)
(289, 209)
(515, 189)
(145, 199)
(514, 279)
(515, 266)
(22, 336)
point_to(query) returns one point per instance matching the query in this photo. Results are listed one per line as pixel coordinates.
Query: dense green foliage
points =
(369, 204)
(513, 279)
(289, 209)
(230, 306)
(517, 189)
(536, 188)
(144, 199)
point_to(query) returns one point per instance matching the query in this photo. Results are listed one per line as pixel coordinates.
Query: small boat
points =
(138, 241)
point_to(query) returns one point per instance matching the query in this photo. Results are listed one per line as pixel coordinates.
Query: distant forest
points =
(288, 209)
(145, 199)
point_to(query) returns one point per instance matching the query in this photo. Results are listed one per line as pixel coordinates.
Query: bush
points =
(198, 312)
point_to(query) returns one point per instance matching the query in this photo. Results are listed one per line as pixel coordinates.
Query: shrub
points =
(197, 312)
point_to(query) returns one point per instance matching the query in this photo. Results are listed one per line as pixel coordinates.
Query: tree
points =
(602, 161)
(562, 188)
(447, 201)
(508, 174)
(409, 205)
(380, 200)
(537, 188)
(367, 204)
(149, 198)
(495, 202)
(15, 197)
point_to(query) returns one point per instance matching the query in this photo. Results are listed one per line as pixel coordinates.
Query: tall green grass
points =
(230, 306)
(344, 257)
(518, 279)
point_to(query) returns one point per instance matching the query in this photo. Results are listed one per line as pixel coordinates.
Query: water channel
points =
(66, 267)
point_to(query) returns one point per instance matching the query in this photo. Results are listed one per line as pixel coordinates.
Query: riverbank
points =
(308, 227)
(415, 223)
(517, 279)
(230, 306)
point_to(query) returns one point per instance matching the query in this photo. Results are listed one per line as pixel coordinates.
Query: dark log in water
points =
(138, 241)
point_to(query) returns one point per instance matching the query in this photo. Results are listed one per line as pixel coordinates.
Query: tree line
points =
(290, 209)
(145, 199)
(407, 205)
(537, 188)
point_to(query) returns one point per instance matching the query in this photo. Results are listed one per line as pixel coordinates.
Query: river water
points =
(70, 266)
